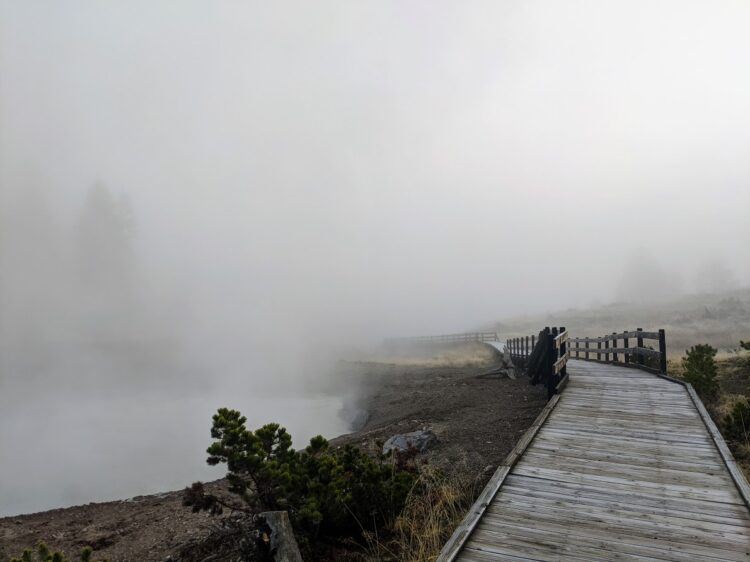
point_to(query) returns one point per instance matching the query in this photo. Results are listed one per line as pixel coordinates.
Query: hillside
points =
(721, 320)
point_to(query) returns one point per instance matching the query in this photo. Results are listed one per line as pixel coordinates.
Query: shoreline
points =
(477, 421)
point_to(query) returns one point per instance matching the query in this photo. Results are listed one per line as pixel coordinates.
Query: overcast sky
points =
(409, 166)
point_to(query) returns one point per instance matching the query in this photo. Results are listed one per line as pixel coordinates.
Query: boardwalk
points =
(623, 468)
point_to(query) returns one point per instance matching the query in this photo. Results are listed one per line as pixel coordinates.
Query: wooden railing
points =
(520, 348)
(557, 360)
(544, 357)
(449, 338)
(610, 348)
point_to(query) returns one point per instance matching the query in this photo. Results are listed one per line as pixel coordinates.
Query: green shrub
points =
(44, 554)
(736, 424)
(700, 371)
(327, 492)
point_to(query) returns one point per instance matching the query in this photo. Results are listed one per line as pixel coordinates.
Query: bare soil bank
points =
(477, 422)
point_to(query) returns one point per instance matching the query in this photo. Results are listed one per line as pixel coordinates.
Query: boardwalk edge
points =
(738, 476)
(464, 530)
(726, 455)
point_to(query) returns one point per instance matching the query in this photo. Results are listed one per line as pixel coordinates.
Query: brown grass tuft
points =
(436, 506)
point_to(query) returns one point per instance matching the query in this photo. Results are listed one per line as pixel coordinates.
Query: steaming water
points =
(84, 445)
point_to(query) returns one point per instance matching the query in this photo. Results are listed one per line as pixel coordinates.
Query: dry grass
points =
(433, 510)
(717, 319)
(733, 375)
(436, 355)
(740, 448)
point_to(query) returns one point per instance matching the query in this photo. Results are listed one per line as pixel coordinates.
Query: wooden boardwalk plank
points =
(625, 466)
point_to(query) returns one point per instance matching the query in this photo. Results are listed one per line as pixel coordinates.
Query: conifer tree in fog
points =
(108, 292)
(105, 243)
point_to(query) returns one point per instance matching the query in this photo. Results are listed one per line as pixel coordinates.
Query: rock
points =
(420, 440)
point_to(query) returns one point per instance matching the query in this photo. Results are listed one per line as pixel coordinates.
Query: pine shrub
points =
(736, 424)
(44, 554)
(327, 492)
(700, 371)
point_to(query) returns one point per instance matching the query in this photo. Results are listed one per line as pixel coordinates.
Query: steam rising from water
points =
(206, 205)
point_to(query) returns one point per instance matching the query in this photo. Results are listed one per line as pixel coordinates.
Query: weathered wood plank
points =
(700, 512)
(652, 473)
(628, 466)
(630, 517)
(598, 491)
(460, 535)
(564, 535)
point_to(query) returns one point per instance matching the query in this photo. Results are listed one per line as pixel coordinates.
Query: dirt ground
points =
(477, 421)
(144, 528)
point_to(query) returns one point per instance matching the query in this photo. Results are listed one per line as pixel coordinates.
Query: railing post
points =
(614, 346)
(587, 350)
(527, 347)
(599, 350)
(639, 343)
(551, 362)
(626, 344)
(563, 350)
(606, 352)
(662, 352)
(533, 340)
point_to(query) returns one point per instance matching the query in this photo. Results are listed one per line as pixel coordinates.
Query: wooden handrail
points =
(444, 338)
(520, 347)
(634, 356)
(561, 339)
(560, 363)
(636, 334)
(549, 362)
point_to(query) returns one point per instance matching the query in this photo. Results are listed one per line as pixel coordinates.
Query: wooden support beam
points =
(639, 343)
(614, 346)
(663, 351)
(625, 344)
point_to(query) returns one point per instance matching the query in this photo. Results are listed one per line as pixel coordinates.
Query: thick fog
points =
(208, 203)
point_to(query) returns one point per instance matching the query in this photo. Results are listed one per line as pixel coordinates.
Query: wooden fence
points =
(520, 348)
(613, 347)
(557, 359)
(449, 338)
(544, 357)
